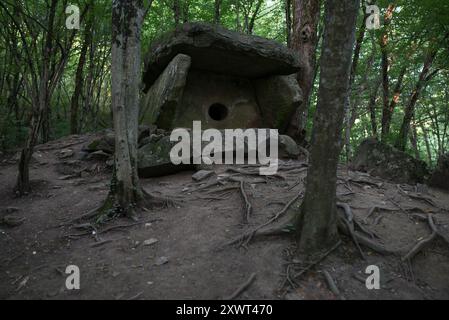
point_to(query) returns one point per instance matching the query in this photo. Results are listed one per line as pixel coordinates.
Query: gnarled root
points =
(282, 227)
(426, 241)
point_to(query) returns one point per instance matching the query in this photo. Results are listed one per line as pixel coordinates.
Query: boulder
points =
(382, 160)
(440, 176)
(278, 98)
(154, 158)
(288, 149)
(218, 50)
(105, 143)
(164, 96)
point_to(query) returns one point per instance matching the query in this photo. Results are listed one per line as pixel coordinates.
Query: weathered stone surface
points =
(389, 163)
(216, 49)
(288, 149)
(105, 143)
(164, 96)
(202, 174)
(154, 159)
(278, 98)
(217, 100)
(440, 176)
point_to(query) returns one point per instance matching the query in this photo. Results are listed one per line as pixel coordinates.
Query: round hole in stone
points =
(218, 112)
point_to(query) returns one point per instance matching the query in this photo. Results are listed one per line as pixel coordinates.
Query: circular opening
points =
(218, 112)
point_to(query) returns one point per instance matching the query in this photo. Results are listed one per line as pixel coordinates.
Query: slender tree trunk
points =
(40, 109)
(177, 12)
(217, 11)
(252, 21)
(306, 15)
(385, 68)
(318, 224)
(409, 113)
(372, 108)
(426, 141)
(414, 141)
(74, 125)
(387, 116)
(288, 21)
(350, 111)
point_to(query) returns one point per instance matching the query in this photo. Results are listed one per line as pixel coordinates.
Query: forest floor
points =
(189, 259)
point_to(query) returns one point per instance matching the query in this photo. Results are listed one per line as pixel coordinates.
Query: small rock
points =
(9, 210)
(160, 261)
(202, 174)
(150, 242)
(148, 225)
(12, 221)
(66, 153)
(115, 274)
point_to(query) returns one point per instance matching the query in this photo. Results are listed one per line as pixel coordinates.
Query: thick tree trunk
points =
(409, 113)
(127, 18)
(318, 224)
(306, 14)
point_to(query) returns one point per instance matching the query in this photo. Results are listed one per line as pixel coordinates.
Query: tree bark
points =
(127, 19)
(387, 116)
(288, 21)
(217, 11)
(306, 15)
(409, 113)
(385, 68)
(318, 224)
(74, 106)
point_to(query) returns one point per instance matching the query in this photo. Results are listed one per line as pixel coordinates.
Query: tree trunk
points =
(372, 107)
(177, 12)
(387, 116)
(217, 11)
(74, 126)
(127, 18)
(306, 14)
(409, 113)
(385, 67)
(318, 224)
(40, 109)
(350, 111)
(288, 21)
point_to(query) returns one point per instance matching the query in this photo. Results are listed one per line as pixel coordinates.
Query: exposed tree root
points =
(332, 285)
(259, 231)
(417, 196)
(242, 288)
(346, 226)
(426, 241)
(248, 206)
(349, 224)
(292, 280)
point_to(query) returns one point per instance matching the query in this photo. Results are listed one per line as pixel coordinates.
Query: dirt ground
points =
(189, 259)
